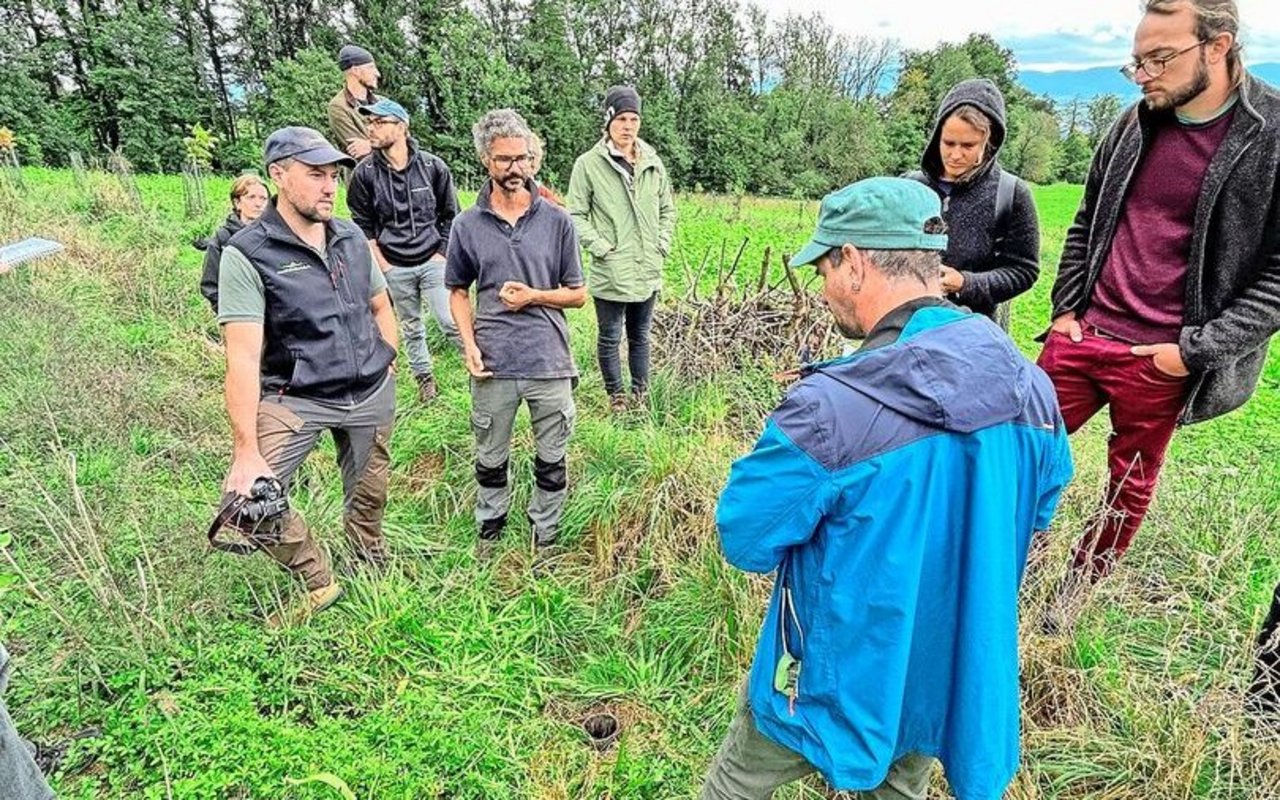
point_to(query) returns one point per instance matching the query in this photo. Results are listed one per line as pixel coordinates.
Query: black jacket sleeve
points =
(1016, 260)
(209, 275)
(446, 203)
(360, 203)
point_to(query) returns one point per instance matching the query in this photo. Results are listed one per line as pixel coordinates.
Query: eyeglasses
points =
(1155, 66)
(510, 161)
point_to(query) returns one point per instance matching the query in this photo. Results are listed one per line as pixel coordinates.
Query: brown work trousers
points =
(288, 430)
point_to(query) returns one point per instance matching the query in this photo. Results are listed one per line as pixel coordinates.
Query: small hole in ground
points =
(602, 727)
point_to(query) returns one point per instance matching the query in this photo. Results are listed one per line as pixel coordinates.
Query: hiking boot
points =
(490, 532)
(618, 403)
(640, 399)
(427, 389)
(300, 613)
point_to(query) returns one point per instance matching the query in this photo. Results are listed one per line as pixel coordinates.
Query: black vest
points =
(320, 339)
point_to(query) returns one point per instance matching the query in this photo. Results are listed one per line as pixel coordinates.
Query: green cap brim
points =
(810, 253)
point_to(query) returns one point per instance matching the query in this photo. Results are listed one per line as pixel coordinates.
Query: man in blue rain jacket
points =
(895, 493)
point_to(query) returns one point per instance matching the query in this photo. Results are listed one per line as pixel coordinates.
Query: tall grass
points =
(449, 677)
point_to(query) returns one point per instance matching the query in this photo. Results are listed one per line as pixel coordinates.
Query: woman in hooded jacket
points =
(248, 199)
(993, 249)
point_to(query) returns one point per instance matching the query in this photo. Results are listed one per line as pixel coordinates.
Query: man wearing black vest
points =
(311, 339)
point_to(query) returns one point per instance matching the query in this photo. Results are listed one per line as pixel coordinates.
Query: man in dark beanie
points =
(621, 203)
(360, 77)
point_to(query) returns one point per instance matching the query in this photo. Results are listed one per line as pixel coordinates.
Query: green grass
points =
(452, 678)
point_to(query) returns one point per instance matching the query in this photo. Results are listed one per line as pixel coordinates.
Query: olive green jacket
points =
(345, 121)
(627, 224)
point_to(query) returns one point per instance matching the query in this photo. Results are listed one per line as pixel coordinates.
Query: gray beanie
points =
(353, 56)
(620, 100)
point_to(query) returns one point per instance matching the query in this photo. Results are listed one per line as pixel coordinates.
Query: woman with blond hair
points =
(248, 199)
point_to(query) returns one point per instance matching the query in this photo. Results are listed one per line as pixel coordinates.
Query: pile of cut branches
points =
(778, 323)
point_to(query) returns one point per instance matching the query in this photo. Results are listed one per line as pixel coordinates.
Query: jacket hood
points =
(231, 225)
(986, 97)
(949, 370)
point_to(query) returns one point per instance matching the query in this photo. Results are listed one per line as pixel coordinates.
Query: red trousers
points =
(1144, 404)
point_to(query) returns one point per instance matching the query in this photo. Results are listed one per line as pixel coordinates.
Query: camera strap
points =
(226, 514)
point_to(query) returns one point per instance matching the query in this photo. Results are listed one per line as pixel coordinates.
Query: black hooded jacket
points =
(212, 248)
(408, 212)
(998, 261)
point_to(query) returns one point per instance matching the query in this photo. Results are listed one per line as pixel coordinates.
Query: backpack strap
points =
(1004, 201)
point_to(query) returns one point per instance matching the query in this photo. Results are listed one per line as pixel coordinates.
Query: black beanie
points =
(620, 100)
(353, 56)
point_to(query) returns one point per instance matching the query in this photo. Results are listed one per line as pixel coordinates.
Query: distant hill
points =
(1087, 83)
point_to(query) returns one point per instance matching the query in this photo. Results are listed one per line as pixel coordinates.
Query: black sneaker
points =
(492, 528)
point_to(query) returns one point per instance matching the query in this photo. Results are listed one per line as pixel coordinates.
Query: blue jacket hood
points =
(962, 389)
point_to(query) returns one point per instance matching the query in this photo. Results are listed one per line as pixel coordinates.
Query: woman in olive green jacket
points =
(621, 204)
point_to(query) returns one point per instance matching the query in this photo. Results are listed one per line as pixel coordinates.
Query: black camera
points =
(267, 503)
(259, 517)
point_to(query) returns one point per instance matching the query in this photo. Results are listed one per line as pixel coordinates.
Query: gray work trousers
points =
(494, 402)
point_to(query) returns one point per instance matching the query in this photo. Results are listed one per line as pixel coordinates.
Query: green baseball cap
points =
(877, 214)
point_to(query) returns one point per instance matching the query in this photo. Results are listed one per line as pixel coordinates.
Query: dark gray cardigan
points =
(1233, 276)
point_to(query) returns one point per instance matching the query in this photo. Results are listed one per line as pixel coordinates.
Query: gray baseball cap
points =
(306, 145)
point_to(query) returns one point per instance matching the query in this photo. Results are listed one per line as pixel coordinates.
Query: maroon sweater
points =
(1140, 294)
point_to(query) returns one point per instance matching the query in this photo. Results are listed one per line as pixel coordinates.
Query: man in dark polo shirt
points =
(310, 340)
(521, 254)
(1168, 290)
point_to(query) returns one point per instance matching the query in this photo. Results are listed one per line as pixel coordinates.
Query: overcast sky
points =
(1045, 34)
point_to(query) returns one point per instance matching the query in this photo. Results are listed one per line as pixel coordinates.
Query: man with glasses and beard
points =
(1168, 289)
(521, 253)
(402, 197)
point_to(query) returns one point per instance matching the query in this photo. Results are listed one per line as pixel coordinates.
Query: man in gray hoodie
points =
(403, 198)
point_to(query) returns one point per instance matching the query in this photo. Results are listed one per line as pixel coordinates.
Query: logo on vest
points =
(292, 266)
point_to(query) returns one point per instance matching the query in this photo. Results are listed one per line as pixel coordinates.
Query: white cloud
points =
(1105, 25)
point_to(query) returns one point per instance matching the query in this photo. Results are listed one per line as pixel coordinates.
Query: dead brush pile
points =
(775, 322)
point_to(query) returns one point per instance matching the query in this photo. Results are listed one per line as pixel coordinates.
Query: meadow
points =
(453, 678)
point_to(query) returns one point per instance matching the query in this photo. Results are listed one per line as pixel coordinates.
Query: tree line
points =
(734, 99)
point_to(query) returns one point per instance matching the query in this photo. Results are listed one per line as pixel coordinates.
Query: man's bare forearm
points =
(378, 257)
(460, 307)
(243, 385)
(563, 297)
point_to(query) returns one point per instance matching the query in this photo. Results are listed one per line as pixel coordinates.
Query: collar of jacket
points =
(356, 102)
(646, 155)
(274, 226)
